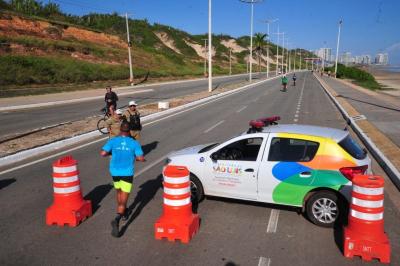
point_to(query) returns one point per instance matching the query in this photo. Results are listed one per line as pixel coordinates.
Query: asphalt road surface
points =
(22, 121)
(231, 233)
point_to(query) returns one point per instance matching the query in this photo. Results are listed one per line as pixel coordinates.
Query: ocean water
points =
(395, 69)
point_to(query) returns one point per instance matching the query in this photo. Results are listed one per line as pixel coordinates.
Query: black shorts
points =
(128, 179)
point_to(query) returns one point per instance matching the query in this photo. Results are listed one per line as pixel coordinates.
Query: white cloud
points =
(393, 47)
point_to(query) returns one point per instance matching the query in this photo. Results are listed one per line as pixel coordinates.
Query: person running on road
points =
(132, 116)
(294, 79)
(114, 123)
(124, 151)
(284, 81)
(111, 99)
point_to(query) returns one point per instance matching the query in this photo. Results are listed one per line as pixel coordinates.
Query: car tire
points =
(325, 209)
(196, 189)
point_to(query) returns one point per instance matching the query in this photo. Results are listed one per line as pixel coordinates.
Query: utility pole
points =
(277, 51)
(209, 49)
(337, 47)
(323, 57)
(283, 49)
(300, 58)
(268, 21)
(251, 2)
(205, 57)
(129, 50)
(230, 61)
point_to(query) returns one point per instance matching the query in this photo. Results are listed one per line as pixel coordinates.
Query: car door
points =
(232, 168)
(285, 173)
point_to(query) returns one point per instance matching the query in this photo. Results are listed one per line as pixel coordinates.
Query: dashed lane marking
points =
(214, 126)
(241, 109)
(263, 261)
(273, 221)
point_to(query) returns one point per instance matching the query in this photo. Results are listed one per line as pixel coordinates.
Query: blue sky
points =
(369, 26)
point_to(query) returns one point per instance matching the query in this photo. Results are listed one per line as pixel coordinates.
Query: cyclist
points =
(294, 79)
(284, 81)
(111, 99)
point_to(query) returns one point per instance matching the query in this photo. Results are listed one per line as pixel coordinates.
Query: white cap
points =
(132, 103)
(118, 112)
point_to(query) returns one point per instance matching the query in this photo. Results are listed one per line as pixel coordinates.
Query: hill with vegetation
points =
(41, 45)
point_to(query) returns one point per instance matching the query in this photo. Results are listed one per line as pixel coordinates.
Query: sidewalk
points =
(377, 115)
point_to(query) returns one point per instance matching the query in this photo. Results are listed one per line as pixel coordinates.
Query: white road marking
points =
(150, 166)
(263, 261)
(296, 115)
(299, 102)
(241, 109)
(296, 120)
(273, 221)
(214, 126)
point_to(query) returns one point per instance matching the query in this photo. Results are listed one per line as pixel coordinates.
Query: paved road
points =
(231, 233)
(25, 120)
(381, 110)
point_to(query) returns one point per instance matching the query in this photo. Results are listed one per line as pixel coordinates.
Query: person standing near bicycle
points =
(114, 123)
(132, 116)
(111, 99)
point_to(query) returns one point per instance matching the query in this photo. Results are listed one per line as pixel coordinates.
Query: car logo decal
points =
(201, 159)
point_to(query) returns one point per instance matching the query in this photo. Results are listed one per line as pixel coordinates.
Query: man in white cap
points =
(132, 116)
(114, 123)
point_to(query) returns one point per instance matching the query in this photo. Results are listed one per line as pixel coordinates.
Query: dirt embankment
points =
(17, 26)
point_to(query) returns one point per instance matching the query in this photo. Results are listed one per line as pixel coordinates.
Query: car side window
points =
(242, 150)
(292, 150)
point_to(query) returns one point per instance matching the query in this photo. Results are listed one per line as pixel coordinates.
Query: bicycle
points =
(101, 124)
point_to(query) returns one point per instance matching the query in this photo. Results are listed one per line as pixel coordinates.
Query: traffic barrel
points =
(69, 207)
(364, 235)
(177, 222)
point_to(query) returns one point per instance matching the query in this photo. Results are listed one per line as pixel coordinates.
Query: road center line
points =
(263, 261)
(214, 126)
(241, 109)
(273, 221)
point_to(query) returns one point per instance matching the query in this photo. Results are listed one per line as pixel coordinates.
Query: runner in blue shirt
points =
(124, 150)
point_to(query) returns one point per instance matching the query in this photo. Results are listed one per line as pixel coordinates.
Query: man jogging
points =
(124, 150)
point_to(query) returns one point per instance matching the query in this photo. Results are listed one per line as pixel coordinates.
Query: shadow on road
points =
(146, 193)
(147, 148)
(6, 182)
(374, 104)
(338, 236)
(97, 195)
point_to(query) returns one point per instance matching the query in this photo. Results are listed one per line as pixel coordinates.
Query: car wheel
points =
(324, 208)
(196, 189)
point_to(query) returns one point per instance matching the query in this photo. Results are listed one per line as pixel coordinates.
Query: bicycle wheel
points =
(102, 126)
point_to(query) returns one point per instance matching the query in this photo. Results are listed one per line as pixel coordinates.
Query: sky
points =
(369, 26)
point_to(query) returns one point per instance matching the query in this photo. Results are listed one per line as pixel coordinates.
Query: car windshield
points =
(352, 147)
(209, 147)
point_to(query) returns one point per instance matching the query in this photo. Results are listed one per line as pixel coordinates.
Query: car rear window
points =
(292, 150)
(351, 147)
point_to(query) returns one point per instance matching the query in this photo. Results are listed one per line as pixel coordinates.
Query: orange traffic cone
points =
(68, 207)
(178, 220)
(365, 236)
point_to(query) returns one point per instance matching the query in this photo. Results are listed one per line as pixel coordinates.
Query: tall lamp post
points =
(129, 50)
(268, 21)
(205, 57)
(337, 47)
(277, 51)
(209, 49)
(251, 2)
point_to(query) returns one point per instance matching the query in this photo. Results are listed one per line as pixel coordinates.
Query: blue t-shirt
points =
(123, 150)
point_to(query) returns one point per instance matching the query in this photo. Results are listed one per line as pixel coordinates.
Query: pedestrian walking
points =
(125, 150)
(114, 123)
(132, 116)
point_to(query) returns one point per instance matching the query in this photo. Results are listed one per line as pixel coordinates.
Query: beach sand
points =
(389, 80)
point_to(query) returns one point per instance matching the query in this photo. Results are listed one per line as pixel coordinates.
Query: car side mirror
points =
(214, 156)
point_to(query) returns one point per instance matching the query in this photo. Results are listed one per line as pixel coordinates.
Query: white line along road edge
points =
(14, 158)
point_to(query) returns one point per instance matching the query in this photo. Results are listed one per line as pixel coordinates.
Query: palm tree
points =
(259, 43)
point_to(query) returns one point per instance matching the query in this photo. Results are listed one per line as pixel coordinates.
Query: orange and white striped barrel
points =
(177, 197)
(68, 207)
(365, 235)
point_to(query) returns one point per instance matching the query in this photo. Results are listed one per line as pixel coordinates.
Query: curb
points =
(382, 160)
(17, 157)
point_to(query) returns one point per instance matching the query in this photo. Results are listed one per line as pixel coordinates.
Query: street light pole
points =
(205, 57)
(268, 21)
(251, 2)
(337, 47)
(209, 49)
(230, 61)
(129, 50)
(323, 57)
(283, 48)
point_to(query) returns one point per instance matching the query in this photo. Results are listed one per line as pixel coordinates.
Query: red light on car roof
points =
(257, 124)
(271, 119)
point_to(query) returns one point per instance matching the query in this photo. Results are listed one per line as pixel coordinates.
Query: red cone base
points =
(182, 229)
(68, 217)
(367, 249)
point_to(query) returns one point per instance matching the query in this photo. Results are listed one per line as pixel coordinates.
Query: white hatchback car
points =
(297, 165)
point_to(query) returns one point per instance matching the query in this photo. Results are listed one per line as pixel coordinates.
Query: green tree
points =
(259, 43)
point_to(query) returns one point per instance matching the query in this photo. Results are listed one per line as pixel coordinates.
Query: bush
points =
(359, 76)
